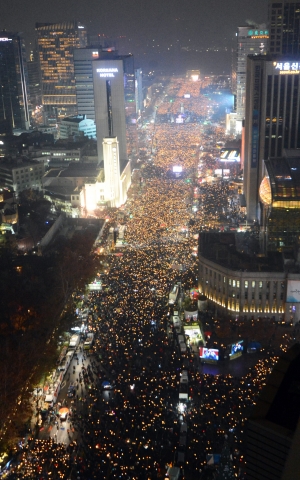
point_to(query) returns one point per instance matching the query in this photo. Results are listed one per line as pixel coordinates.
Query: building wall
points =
(14, 110)
(250, 294)
(112, 171)
(103, 78)
(284, 19)
(125, 181)
(266, 452)
(22, 176)
(83, 59)
(56, 43)
(251, 40)
(272, 119)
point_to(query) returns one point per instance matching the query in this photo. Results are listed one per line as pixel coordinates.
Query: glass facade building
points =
(280, 195)
(56, 43)
(284, 19)
(272, 118)
(14, 109)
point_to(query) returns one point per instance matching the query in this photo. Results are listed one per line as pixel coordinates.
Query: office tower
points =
(272, 118)
(83, 67)
(14, 112)
(251, 40)
(56, 43)
(139, 91)
(111, 85)
(34, 80)
(84, 60)
(284, 22)
(273, 431)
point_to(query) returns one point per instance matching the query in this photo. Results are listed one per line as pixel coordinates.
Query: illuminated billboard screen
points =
(187, 95)
(293, 291)
(236, 349)
(179, 119)
(219, 172)
(230, 155)
(177, 169)
(209, 354)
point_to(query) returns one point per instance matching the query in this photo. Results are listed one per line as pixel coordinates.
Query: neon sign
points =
(286, 68)
(259, 33)
(107, 72)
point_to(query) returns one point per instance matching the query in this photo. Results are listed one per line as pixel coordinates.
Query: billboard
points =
(187, 95)
(236, 349)
(219, 172)
(179, 119)
(230, 155)
(209, 354)
(177, 169)
(293, 291)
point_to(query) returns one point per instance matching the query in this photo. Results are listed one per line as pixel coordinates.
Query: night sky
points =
(150, 27)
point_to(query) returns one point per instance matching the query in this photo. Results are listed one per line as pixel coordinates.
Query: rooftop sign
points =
(286, 68)
(107, 72)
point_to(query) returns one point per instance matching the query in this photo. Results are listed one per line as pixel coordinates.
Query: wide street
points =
(134, 431)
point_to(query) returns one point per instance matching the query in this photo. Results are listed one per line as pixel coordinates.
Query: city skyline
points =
(143, 27)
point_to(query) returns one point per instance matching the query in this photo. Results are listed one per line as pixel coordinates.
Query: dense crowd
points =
(132, 432)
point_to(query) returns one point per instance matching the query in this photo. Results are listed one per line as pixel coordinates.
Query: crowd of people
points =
(133, 430)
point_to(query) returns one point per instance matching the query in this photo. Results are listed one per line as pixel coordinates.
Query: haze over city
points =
(171, 35)
(150, 240)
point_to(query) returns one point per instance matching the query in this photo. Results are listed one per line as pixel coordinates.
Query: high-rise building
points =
(114, 97)
(272, 118)
(83, 67)
(56, 43)
(284, 22)
(34, 80)
(14, 111)
(251, 40)
(273, 430)
(85, 90)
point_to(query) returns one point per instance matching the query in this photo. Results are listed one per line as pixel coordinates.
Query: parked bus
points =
(89, 341)
(74, 341)
(174, 293)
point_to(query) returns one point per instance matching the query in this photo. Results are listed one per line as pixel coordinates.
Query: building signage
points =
(258, 33)
(293, 291)
(5, 39)
(107, 72)
(286, 68)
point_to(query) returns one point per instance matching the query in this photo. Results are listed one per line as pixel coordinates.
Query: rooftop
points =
(74, 119)
(237, 251)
